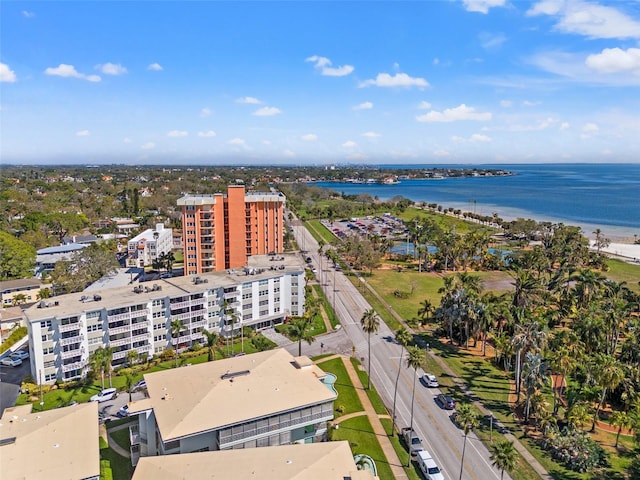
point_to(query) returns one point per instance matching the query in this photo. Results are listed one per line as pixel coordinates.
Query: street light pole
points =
(491, 427)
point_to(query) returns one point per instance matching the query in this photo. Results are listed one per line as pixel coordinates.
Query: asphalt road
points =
(439, 434)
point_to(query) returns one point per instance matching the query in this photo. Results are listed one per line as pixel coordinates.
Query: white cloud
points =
(324, 65)
(267, 112)
(64, 70)
(424, 105)
(478, 138)
(156, 67)
(565, 126)
(371, 134)
(127, 140)
(205, 112)
(250, 100)
(506, 103)
(82, 133)
(207, 134)
(529, 103)
(357, 156)
(614, 60)
(177, 133)
(457, 138)
(364, 106)
(397, 80)
(236, 141)
(111, 68)
(27, 14)
(441, 153)
(491, 40)
(349, 144)
(148, 146)
(482, 6)
(590, 128)
(288, 153)
(309, 137)
(461, 112)
(588, 19)
(6, 74)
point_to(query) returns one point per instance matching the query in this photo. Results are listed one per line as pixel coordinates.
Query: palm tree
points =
(534, 377)
(18, 299)
(415, 360)
(175, 328)
(609, 374)
(468, 420)
(128, 379)
(212, 341)
(299, 330)
(621, 420)
(578, 414)
(370, 324)
(403, 337)
(426, 309)
(504, 456)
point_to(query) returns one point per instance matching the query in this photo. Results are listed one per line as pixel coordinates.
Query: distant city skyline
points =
(311, 82)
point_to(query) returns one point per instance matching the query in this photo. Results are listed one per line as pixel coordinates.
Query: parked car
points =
(139, 385)
(428, 466)
(446, 401)
(104, 395)
(11, 362)
(124, 411)
(21, 354)
(430, 380)
(412, 440)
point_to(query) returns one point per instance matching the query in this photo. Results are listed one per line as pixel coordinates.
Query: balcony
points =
(140, 338)
(178, 305)
(72, 366)
(123, 329)
(199, 324)
(118, 317)
(134, 435)
(70, 327)
(233, 294)
(71, 340)
(71, 353)
(143, 348)
(119, 342)
(119, 355)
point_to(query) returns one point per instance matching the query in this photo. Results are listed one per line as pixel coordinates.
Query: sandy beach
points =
(630, 252)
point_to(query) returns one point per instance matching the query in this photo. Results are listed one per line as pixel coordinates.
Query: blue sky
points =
(204, 82)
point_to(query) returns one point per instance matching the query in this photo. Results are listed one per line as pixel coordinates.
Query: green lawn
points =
(359, 433)
(333, 319)
(112, 465)
(347, 400)
(121, 437)
(620, 271)
(320, 232)
(402, 452)
(375, 399)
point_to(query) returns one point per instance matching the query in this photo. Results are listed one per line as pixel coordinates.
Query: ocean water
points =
(605, 196)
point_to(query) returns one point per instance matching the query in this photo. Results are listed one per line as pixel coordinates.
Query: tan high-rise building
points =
(221, 230)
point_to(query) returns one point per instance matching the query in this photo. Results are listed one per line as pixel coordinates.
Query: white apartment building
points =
(64, 331)
(264, 399)
(149, 245)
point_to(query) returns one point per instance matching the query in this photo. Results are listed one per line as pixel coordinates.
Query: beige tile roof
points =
(53, 445)
(193, 399)
(315, 461)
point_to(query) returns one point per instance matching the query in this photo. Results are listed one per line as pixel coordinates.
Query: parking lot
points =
(386, 226)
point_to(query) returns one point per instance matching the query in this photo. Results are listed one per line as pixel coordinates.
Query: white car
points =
(104, 395)
(21, 354)
(428, 466)
(11, 362)
(124, 411)
(430, 380)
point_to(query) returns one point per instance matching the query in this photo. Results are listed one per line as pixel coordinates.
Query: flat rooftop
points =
(212, 395)
(261, 268)
(314, 461)
(54, 444)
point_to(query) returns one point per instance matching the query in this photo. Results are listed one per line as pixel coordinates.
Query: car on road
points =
(139, 385)
(430, 380)
(11, 362)
(428, 466)
(446, 401)
(21, 354)
(308, 260)
(412, 440)
(104, 395)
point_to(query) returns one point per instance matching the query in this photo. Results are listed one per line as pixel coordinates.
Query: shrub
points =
(13, 337)
(576, 450)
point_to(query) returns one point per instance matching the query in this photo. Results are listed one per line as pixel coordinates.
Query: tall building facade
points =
(66, 330)
(221, 230)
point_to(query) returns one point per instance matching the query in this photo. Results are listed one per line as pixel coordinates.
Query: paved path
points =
(374, 419)
(114, 445)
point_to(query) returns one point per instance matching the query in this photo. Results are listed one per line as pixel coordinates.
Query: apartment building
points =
(53, 444)
(315, 461)
(264, 399)
(149, 245)
(221, 230)
(64, 331)
(26, 290)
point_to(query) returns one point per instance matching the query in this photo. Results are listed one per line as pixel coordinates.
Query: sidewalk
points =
(376, 424)
(114, 445)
